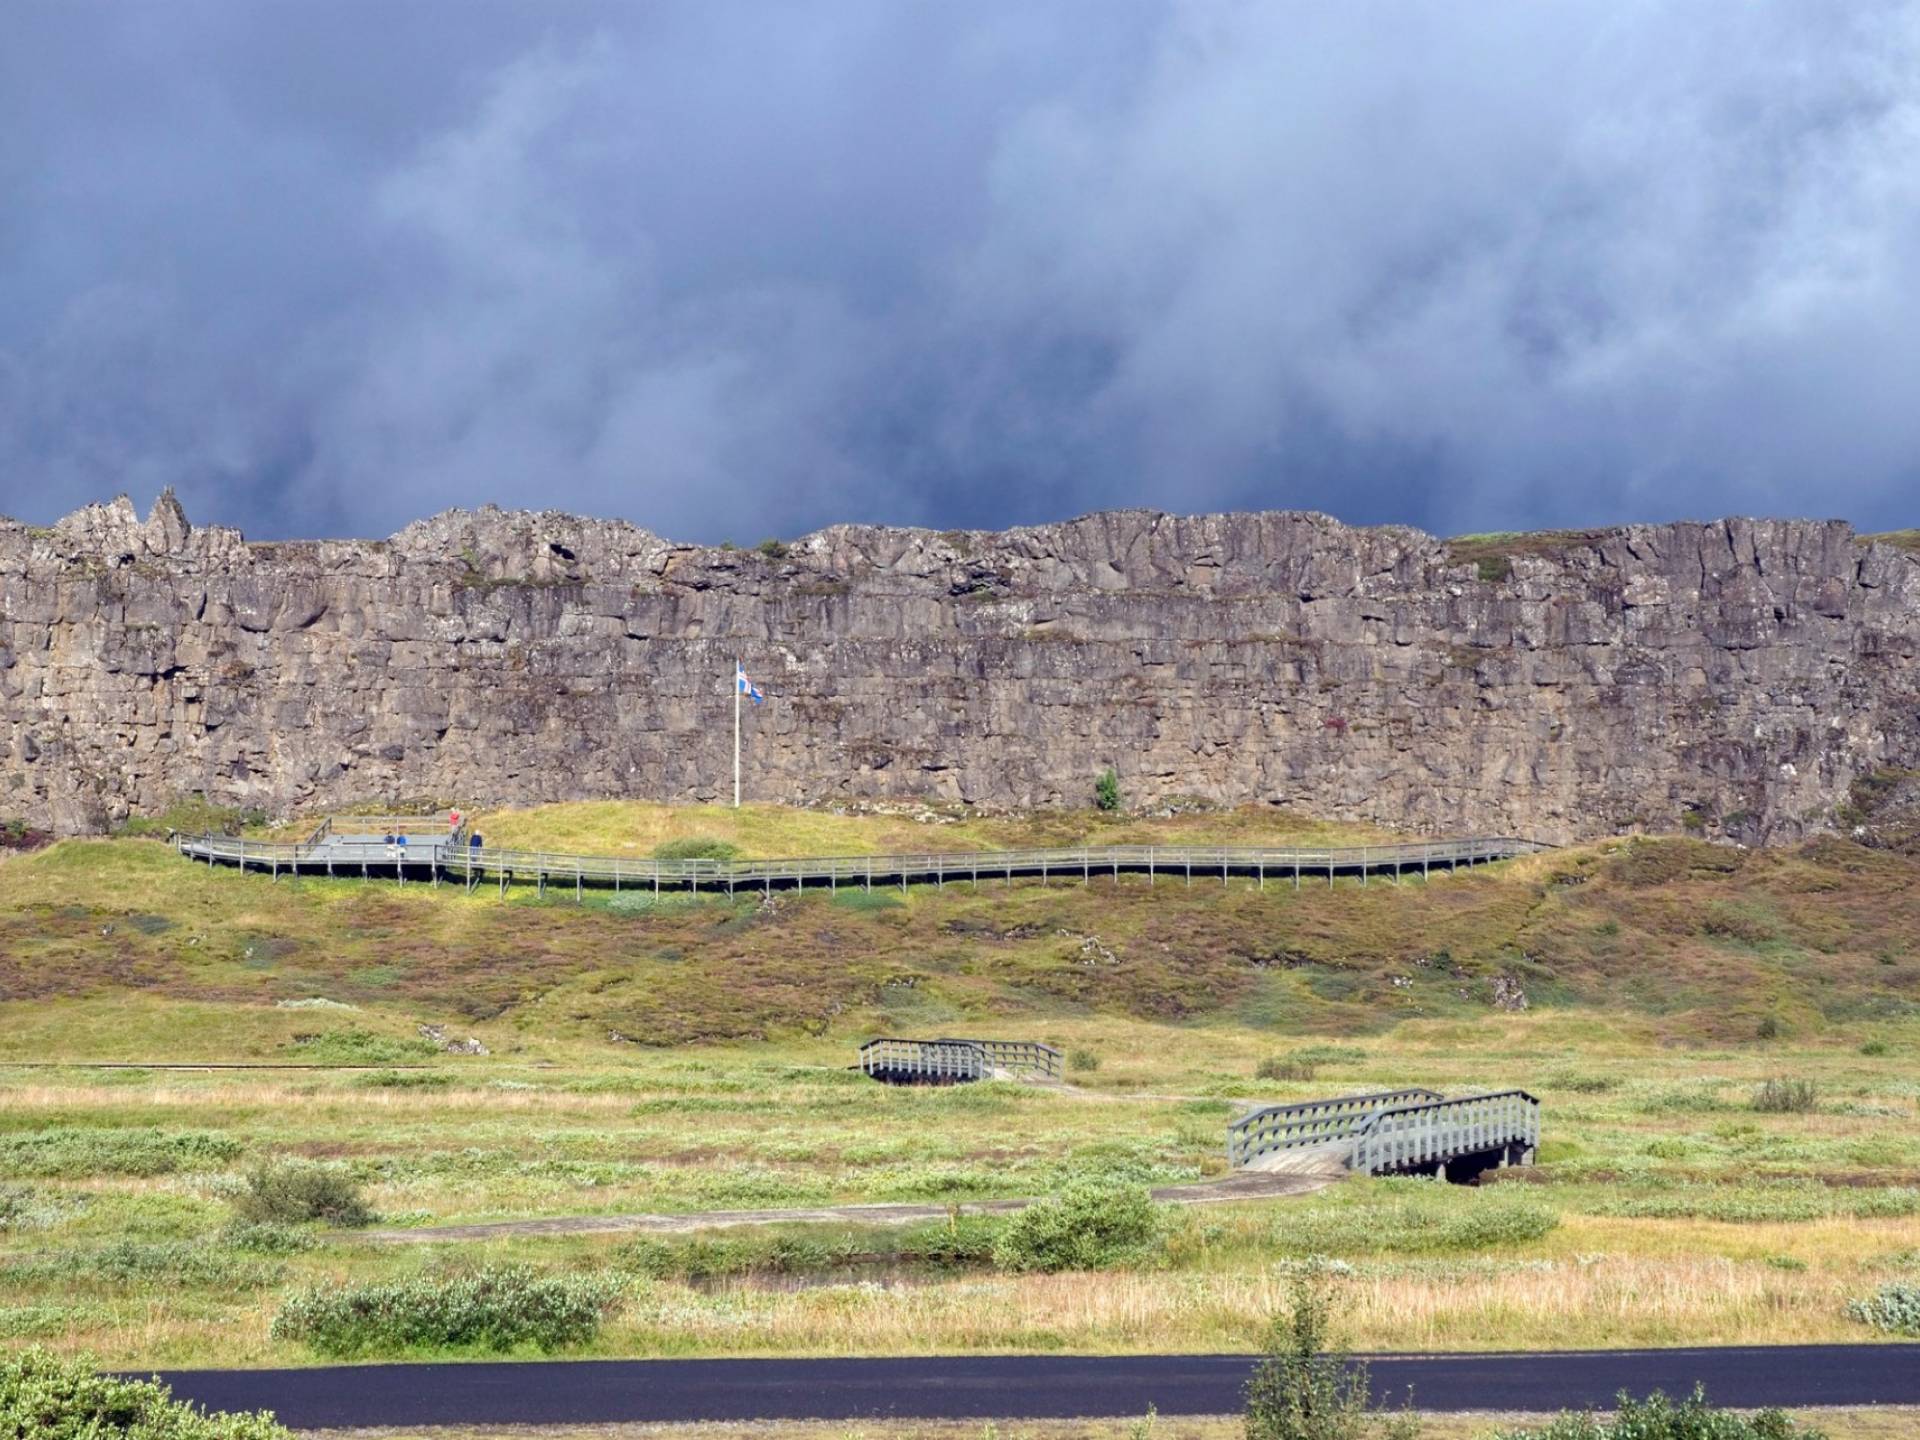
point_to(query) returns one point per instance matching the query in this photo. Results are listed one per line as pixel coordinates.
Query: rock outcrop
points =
(1734, 677)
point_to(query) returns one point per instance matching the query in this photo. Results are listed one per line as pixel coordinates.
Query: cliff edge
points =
(1734, 677)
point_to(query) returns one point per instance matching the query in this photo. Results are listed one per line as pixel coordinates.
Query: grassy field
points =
(689, 1055)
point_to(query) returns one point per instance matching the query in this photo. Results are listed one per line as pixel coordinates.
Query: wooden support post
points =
(576, 885)
(543, 883)
(363, 870)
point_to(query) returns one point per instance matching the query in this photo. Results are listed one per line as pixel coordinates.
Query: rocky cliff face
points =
(1733, 677)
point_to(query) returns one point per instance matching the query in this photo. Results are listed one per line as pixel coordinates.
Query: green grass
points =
(692, 1055)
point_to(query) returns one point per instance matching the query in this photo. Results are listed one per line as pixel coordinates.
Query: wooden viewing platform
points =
(1393, 1132)
(436, 852)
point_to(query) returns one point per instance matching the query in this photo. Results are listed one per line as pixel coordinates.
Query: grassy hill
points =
(1705, 943)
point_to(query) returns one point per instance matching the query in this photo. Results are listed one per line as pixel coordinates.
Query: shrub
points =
(1768, 1028)
(961, 1242)
(363, 1047)
(1283, 1067)
(1306, 1389)
(494, 1308)
(1893, 1308)
(1082, 1059)
(65, 1153)
(404, 1080)
(1874, 1047)
(291, 1194)
(1085, 1227)
(696, 847)
(774, 549)
(264, 1238)
(147, 1264)
(1658, 1418)
(53, 1398)
(1416, 1226)
(733, 1255)
(1781, 1096)
(1106, 790)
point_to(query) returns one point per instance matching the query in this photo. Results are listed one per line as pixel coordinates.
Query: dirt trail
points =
(1244, 1185)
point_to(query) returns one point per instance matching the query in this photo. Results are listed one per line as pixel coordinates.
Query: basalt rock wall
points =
(1734, 677)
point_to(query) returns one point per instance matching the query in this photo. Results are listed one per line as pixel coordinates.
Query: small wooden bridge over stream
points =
(1392, 1132)
(435, 850)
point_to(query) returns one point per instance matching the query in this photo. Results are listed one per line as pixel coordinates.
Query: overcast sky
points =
(731, 269)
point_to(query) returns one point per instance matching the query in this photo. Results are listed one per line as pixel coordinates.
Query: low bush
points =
(737, 1255)
(62, 1152)
(293, 1193)
(696, 847)
(50, 1397)
(1086, 1227)
(1283, 1067)
(1083, 1060)
(1658, 1418)
(25, 1209)
(363, 1047)
(1730, 1204)
(1782, 1096)
(404, 1080)
(1874, 1048)
(265, 1238)
(1416, 1225)
(1893, 1308)
(492, 1308)
(962, 1242)
(171, 1263)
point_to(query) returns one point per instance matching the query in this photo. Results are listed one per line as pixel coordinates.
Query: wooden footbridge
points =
(951, 1061)
(436, 850)
(1393, 1132)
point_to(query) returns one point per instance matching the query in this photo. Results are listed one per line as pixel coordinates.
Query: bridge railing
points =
(1310, 1122)
(925, 1059)
(1028, 1055)
(1422, 1133)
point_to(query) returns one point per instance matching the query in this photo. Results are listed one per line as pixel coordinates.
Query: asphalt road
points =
(1022, 1386)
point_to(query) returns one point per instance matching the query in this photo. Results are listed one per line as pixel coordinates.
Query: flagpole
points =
(736, 732)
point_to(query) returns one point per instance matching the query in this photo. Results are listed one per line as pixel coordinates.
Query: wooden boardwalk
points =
(1392, 1132)
(436, 852)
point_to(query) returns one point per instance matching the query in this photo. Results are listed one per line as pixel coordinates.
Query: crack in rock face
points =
(1732, 679)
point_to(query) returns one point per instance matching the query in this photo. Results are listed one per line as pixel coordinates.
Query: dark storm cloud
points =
(733, 270)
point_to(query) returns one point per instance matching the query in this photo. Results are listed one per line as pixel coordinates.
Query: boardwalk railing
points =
(1419, 1134)
(924, 1061)
(1029, 1056)
(330, 851)
(955, 1058)
(1310, 1122)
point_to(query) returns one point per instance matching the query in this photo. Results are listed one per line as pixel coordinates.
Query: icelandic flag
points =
(745, 686)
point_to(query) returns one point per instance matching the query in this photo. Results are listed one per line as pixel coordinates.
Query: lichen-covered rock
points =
(1735, 677)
